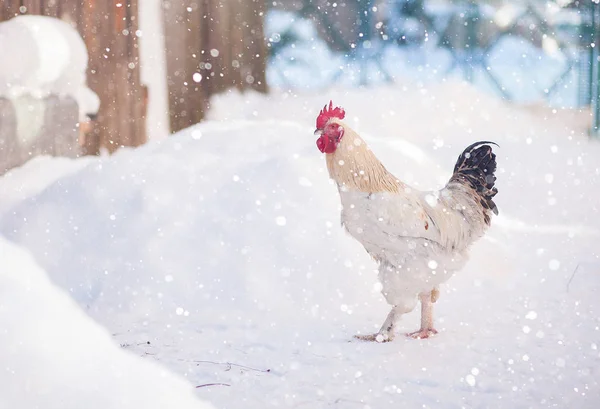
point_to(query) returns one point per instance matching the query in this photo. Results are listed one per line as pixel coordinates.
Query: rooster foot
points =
(422, 333)
(375, 337)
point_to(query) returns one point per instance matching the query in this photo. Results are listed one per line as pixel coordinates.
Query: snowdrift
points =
(224, 217)
(55, 356)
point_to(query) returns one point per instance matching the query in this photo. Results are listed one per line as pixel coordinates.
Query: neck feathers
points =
(354, 166)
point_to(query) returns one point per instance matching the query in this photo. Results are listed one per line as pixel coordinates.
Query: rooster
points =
(419, 239)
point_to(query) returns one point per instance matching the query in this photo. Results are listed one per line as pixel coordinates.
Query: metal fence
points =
(561, 42)
(592, 85)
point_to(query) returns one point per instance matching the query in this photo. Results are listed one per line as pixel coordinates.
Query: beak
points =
(318, 132)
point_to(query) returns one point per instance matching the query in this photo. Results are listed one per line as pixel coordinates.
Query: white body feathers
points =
(419, 238)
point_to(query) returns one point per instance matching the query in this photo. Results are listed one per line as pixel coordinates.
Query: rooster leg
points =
(386, 333)
(427, 329)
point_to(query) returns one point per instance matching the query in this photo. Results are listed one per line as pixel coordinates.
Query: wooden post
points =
(10, 8)
(59, 135)
(70, 11)
(139, 93)
(217, 46)
(50, 8)
(173, 14)
(8, 131)
(31, 6)
(109, 29)
(257, 56)
(48, 127)
(195, 100)
(220, 40)
(184, 34)
(93, 24)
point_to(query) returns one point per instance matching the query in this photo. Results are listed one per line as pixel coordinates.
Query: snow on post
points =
(43, 92)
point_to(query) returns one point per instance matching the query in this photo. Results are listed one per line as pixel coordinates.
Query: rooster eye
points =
(339, 133)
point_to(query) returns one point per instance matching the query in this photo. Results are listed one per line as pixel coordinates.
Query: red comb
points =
(327, 113)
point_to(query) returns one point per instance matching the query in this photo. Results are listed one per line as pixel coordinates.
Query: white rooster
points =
(418, 238)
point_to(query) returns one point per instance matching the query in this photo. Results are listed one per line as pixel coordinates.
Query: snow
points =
(55, 356)
(47, 56)
(221, 246)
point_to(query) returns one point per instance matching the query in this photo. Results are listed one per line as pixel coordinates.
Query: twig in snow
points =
(126, 345)
(339, 400)
(213, 384)
(229, 364)
(572, 276)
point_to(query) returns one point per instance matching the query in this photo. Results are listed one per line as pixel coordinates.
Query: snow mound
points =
(221, 218)
(47, 56)
(55, 356)
(34, 176)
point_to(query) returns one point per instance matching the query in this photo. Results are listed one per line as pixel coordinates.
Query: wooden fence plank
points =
(229, 37)
(120, 80)
(68, 11)
(259, 50)
(139, 95)
(59, 134)
(11, 8)
(31, 6)
(100, 71)
(108, 72)
(177, 54)
(90, 25)
(206, 33)
(9, 147)
(237, 51)
(50, 129)
(218, 45)
(132, 68)
(196, 98)
(49, 8)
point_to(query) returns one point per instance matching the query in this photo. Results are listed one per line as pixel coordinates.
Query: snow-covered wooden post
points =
(31, 126)
(43, 92)
(8, 131)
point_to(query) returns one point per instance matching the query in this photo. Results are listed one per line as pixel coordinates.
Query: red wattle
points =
(326, 144)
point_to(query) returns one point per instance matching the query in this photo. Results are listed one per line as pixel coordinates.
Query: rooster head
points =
(330, 133)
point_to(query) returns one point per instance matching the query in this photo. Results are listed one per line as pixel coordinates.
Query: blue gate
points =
(521, 51)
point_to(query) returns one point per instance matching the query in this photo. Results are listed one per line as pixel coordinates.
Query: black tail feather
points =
(476, 167)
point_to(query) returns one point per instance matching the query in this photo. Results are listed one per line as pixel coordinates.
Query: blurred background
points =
(97, 75)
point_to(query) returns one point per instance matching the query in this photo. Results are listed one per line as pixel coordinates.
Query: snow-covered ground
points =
(218, 254)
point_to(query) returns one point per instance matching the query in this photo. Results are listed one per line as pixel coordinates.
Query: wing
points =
(389, 222)
(409, 220)
(457, 215)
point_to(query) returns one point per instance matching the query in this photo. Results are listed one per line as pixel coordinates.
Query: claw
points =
(380, 338)
(422, 333)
